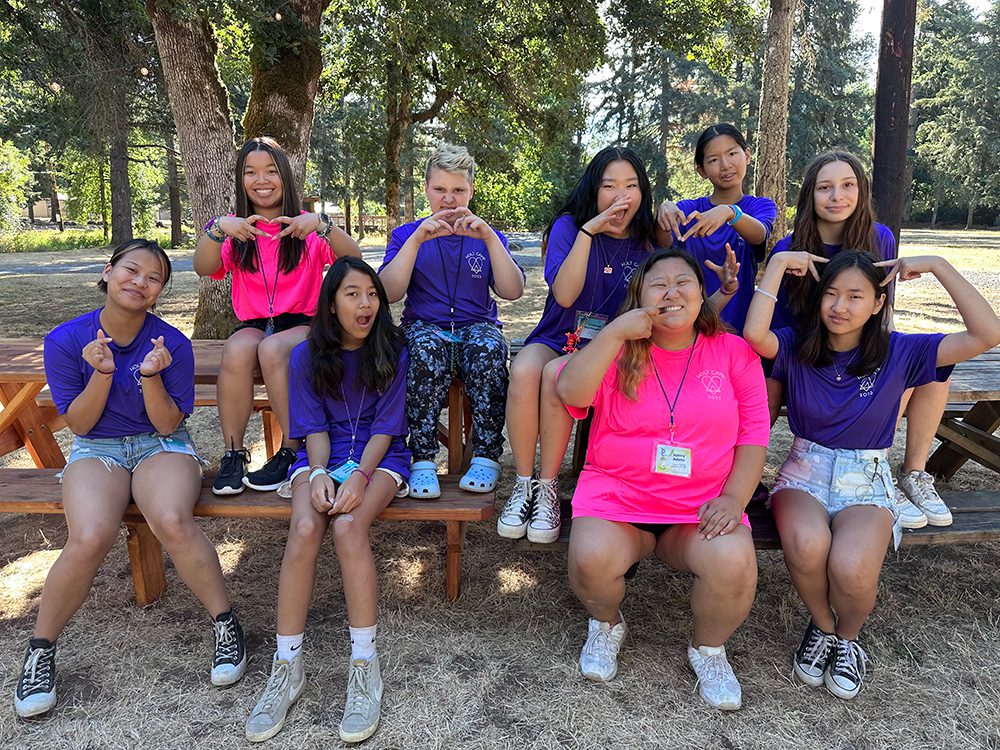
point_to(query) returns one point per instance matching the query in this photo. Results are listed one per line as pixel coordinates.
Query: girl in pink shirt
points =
(677, 447)
(277, 255)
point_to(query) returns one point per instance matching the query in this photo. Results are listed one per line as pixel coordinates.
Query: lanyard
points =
(452, 293)
(272, 292)
(355, 424)
(677, 396)
(573, 337)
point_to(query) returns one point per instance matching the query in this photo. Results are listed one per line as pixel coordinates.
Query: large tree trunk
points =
(397, 108)
(173, 192)
(892, 111)
(204, 123)
(121, 190)
(937, 203)
(911, 142)
(971, 213)
(282, 94)
(408, 214)
(104, 201)
(55, 213)
(773, 129)
(347, 189)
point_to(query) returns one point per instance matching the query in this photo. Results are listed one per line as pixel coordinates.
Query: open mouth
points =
(670, 308)
(364, 321)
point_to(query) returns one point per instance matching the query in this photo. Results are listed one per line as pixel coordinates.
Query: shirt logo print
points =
(711, 381)
(866, 383)
(628, 268)
(136, 375)
(476, 261)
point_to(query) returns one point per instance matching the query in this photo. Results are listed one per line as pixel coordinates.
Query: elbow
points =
(562, 299)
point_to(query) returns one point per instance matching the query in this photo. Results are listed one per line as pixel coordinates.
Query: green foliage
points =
(14, 181)
(51, 240)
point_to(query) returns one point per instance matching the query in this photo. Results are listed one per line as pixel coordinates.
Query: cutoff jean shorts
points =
(130, 451)
(839, 478)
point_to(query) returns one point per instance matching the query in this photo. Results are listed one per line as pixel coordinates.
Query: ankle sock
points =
(363, 643)
(523, 479)
(289, 646)
(547, 481)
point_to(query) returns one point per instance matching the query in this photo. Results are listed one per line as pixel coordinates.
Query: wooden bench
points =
(39, 491)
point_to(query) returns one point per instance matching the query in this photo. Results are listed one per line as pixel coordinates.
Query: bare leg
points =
(234, 387)
(600, 553)
(94, 501)
(522, 405)
(298, 567)
(923, 415)
(555, 423)
(354, 551)
(775, 395)
(861, 536)
(274, 353)
(804, 527)
(725, 570)
(166, 487)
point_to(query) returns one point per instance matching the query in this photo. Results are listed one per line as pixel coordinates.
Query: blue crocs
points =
(482, 475)
(424, 483)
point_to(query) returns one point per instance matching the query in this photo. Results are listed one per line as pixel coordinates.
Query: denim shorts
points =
(130, 451)
(839, 478)
(402, 487)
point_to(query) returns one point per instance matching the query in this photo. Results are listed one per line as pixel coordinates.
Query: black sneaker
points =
(230, 650)
(813, 655)
(232, 467)
(271, 475)
(847, 669)
(36, 688)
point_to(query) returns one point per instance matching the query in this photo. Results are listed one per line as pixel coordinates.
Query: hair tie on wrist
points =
(766, 294)
(110, 372)
(144, 375)
(586, 233)
(367, 475)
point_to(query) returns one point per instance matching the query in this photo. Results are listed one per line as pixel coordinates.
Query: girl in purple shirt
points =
(348, 398)
(844, 375)
(123, 380)
(834, 210)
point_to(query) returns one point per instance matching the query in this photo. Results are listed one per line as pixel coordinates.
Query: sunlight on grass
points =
(21, 579)
(513, 580)
(410, 572)
(230, 553)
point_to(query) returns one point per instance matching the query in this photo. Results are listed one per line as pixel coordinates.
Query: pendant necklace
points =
(840, 375)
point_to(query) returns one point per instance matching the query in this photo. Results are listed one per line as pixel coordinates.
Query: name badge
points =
(342, 472)
(589, 324)
(448, 336)
(672, 460)
(173, 445)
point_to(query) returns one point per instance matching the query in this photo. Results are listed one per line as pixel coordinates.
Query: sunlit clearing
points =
(22, 578)
(230, 554)
(410, 572)
(513, 580)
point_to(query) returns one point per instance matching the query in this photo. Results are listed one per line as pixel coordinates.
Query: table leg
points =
(945, 461)
(146, 557)
(453, 568)
(27, 419)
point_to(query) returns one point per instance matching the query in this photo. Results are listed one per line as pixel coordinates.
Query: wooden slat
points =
(204, 395)
(12, 407)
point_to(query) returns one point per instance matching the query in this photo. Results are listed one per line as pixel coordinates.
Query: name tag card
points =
(672, 460)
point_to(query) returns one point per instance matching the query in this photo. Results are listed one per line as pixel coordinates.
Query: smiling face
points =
(446, 190)
(262, 183)
(619, 181)
(135, 280)
(355, 304)
(835, 195)
(672, 285)
(848, 302)
(724, 163)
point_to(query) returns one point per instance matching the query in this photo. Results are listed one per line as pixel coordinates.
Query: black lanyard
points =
(273, 292)
(677, 396)
(452, 293)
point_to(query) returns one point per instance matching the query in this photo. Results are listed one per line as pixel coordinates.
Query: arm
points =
(568, 283)
(301, 226)
(342, 244)
(757, 329)
(86, 408)
(162, 410)
(352, 491)
(508, 279)
(320, 484)
(207, 259)
(729, 280)
(669, 219)
(395, 274)
(705, 224)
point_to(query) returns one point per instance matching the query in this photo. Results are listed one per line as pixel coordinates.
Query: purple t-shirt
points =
(370, 413)
(449, 271)
(125, 411)
(783, 317)
(602, 293)
(713, 248)
(857, 412)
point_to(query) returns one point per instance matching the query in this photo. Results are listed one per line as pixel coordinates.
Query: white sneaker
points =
(513, 521)
(545, 517)
(283, 688)
(599, 657)
(364, 700)
(918, 486)
(717, 684)
(910, 516)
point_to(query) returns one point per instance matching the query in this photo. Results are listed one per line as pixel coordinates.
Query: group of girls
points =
(639, 336)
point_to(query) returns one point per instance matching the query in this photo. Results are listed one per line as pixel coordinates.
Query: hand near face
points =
(300, 226)
(670, 218)
(98, 354)
(609, 216)
(800, 263)
(157, 360)
(728, 272)
(636, 324)
(908, 269)
(242, 229)
(436, 225)
(470, 225)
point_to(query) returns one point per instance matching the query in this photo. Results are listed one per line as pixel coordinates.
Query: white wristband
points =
(766, 294)
(315, 473)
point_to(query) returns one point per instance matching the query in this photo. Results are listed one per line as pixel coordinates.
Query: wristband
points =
(144, 375)
(737, 214)
(367, 475)
(213, 224)
(586, 233)
(316, 472)
(766, 294)
(327, 226)
(112, 372)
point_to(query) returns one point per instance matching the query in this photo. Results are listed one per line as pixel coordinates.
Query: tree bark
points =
(55, 214)
(773, 129)
(200, 106)
(408, 214)
(662, 175)
(173, 192)
(104, 202)
(911, 143)
(347, 188)
(121, 190)
(398, 121)
(892, 110)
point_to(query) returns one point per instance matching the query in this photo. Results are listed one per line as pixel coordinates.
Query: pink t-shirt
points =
(296, 292)
(722, 404)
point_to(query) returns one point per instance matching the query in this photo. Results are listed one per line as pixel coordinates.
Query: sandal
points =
(424, 483)
(482, 475)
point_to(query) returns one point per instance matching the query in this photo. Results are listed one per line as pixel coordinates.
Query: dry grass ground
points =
(497, 669)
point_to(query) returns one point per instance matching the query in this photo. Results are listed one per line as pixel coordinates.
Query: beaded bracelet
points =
(213, 224)
(366, 474)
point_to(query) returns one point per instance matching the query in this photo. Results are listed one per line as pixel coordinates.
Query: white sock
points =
(289, 646)
(523, 479)
(547, 481)
(363, 643)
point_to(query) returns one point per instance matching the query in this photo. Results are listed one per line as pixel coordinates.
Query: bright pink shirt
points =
(722, 404)
(296, 292)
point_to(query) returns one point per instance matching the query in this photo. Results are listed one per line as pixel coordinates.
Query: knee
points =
(525, 377)
(591, 568)
(349, 531)
(272, 354)
(306, 533)
(853, 577)
(805, 549)
(90, 545)
(239, 355)
(734, 572)
(173, 528)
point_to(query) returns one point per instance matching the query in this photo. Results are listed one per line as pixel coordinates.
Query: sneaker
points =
(232, 467)
(717, 684)
(364, 700)
(513, 521)
(813, 655)
(599, 657)
(545, 517)
(273, 474)
(284, 687)
(230, 651)
(846, 670)
(918, 486)
(910, 516)
(36, 687)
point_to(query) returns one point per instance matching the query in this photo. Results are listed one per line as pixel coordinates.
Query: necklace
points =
(840, 375)
(271, 293)
(677, 396)
(607, 261)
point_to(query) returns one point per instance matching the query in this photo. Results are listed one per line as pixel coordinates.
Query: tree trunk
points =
(753, 112)
(361, 210)
(970, 215)
(408, 214)
(937, 202)
(347, 191)
(283, 93)
(911, 143)
(173, 192)
(398, 121)
(55, 214)
(121, 190)
(30, 206)
(104, 201)
(200, 106)
(892, 111)
(662, 176)
(773, 129)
